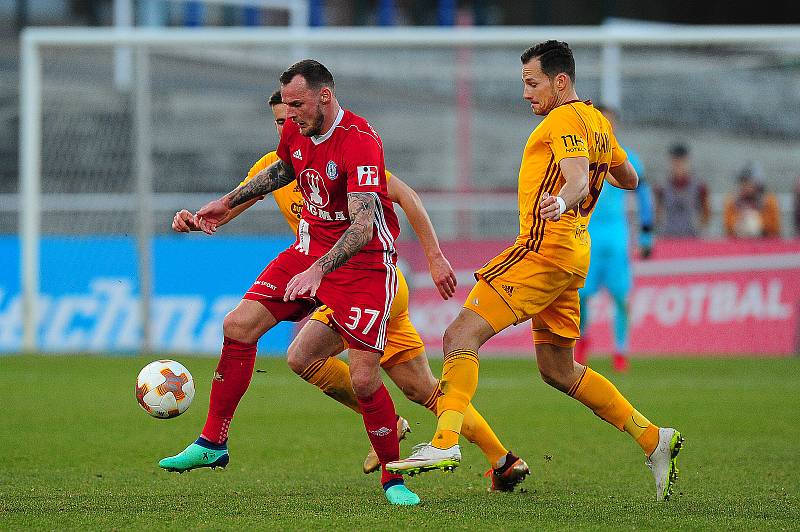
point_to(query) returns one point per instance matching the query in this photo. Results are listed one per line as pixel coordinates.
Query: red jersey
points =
(347, 158)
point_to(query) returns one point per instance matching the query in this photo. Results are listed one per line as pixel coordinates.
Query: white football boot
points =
(663, 462)
(426, 457)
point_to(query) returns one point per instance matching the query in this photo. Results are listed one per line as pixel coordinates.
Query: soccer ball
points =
(164, 388)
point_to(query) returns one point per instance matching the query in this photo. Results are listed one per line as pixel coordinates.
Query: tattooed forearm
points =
(362, 222)
(271, 178)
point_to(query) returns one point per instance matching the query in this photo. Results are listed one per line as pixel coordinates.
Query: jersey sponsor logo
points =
(297, 209)
(267, 284)
(331, 170)
(298, 155)
(367, 176)
(573, 143)
(314, 189)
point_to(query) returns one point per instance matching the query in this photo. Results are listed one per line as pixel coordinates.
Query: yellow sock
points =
(643, 431)
(603, 398)
(478, 431)
(332, 376)
(458, 384)
(475, 429)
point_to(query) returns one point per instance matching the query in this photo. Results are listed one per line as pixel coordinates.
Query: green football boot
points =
(197, 454)
(400, 495)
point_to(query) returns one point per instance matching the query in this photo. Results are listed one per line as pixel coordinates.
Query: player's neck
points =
(330, 117)
(566, 97)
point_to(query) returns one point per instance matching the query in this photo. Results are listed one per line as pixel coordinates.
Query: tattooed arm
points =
(362, 207)
(362, 222)
(218, 211)
(273, 177)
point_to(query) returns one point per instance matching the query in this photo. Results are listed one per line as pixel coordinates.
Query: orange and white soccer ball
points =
(164, 388)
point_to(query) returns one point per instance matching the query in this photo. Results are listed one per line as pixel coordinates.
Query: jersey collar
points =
(319, 139)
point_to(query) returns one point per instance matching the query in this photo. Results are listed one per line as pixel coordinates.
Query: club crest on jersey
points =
(331, 170)
(314, 190)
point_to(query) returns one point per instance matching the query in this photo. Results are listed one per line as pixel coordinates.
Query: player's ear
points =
(561, 81)
(325, 95)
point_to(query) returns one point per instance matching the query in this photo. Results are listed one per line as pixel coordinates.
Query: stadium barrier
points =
(693, 297)
(89, 298)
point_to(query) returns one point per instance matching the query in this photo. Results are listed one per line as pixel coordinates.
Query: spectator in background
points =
(682, 208)
(752, 212)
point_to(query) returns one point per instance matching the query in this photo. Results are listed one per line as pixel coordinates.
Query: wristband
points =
(562, 206)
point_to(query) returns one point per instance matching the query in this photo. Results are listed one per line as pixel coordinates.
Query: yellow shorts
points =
(519, 285)
(402, 339)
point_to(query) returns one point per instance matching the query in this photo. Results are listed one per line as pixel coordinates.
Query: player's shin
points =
(380, 420)
(332, 376)
(458, 385)
(603, 398)
(475, 429)
(231, 379)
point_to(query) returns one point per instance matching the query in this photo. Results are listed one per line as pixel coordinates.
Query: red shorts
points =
(359, 296)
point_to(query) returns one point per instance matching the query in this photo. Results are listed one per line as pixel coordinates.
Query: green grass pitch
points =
(79, 453)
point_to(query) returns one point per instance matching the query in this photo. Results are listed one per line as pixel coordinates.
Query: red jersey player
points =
(343, 257)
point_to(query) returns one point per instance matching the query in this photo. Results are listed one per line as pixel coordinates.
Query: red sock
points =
(380, 420)
(231, 380)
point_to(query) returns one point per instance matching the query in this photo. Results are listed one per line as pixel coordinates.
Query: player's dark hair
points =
(314, 72)
(275, 98)
(555, 57)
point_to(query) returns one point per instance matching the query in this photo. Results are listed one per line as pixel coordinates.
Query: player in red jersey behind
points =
(343, 257)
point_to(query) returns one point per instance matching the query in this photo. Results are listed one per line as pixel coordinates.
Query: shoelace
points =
(417, 449)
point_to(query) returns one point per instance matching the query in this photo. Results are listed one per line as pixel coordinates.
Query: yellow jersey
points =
(574, 129)
(288, 198)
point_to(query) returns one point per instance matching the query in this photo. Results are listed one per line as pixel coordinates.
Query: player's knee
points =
(364, 382)
(295, 360)
(236, 326)
(455, 336)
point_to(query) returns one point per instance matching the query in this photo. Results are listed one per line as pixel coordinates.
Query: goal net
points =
(111, 148)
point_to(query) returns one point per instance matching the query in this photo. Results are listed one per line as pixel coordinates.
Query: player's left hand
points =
(443, 276)
(548, 208)
(210, 215)
(304, 283)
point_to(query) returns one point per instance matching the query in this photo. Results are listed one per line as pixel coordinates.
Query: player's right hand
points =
(210, 215)
(443, 276)
(184, 222)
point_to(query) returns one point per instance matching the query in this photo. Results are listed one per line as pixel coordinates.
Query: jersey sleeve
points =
(618, 153)
(388, 176)
(566, 134)
(363, 163)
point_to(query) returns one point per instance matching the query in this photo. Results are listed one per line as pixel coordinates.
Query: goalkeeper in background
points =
(610, 265)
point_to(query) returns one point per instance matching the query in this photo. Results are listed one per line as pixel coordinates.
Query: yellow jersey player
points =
(313, 356)
(566, 160)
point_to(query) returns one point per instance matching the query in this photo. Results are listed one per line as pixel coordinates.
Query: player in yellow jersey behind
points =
(312, 354)
(568, 157)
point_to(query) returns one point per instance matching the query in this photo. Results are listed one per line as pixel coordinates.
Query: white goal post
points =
(35, 40)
